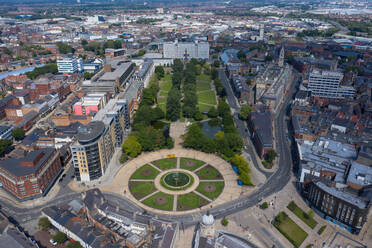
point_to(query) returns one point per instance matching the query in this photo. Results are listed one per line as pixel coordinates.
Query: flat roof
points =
(117, 73)
(90, 132)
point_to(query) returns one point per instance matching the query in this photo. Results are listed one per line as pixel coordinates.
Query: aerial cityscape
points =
(185, 124)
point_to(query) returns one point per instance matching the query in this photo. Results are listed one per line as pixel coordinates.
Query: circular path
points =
(122, 180)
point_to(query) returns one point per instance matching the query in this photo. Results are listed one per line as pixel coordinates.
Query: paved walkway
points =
(230, 192)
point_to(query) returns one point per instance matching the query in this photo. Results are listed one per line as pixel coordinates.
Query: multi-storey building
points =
(96, 142)
(31, 176)
(327, 84)
(262, 134)
(186, 50)
(337, 203)
(69, 65)
(92, 151)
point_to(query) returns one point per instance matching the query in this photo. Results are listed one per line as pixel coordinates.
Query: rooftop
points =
(90, 132)
(15, 167)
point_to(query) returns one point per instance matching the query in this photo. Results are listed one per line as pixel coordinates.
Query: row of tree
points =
(49, 68)
(149, 133)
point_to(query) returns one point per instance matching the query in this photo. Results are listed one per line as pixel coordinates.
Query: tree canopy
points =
(132, 147)
(18, 133)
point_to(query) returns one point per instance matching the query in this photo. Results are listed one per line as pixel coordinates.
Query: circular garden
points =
(176, 184)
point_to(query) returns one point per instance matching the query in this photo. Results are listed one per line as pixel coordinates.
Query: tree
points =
(264, 205)
(18, 133)
(241, 56)
(198, 116)
(173, 106)
(159, 71)
(212, 113)
(44, 224)
(216, 63)
(84, 42)
(59, 237)
(123, 158)
(245, 178)
(214, 74)
(132, 147)
(147, 97)
(87, 75)
(271, 155)
(65, 48)
(4, 144)
(245, 111)
(224, 221)
(74, 244)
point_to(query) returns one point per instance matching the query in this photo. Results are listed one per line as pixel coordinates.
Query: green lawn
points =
(305, 217)
(166, 163)
(208, 173)
(204, 107)
(141, 189)
(151, 201)
(286, 226)
(207, 97)
(162, 100)
(162, 106)
(142, 174)
(203, 82)
(191, 164)
(166, 82)
(211, 195)
(190, 201)
(163, 93)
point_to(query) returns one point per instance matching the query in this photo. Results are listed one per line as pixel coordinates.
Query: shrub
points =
(59, 237)
(224, 221)
(292, 206)
(321, 230)
(123, 158)
(44, 223)
(264, 205)
(74, 244)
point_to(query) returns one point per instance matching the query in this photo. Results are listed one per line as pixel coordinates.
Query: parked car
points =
(53, 242)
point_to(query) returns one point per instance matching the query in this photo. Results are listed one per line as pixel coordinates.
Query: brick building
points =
(31, 176)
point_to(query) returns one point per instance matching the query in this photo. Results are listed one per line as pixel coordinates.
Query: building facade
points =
(92, 151)
(186, 50)
(327, 84)
(69, 65)
(336, 204)
(31, 176)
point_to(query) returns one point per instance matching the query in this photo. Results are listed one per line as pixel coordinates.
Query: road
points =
(275, 182)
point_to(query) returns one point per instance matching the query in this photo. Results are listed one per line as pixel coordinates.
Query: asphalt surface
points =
(275, 182)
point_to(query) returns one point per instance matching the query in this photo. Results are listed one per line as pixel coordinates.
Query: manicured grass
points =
(211, 195)
(163, 93)
(162, 100)
(140, 174)
(195, 163)
(286, 226)
(141, 189)
(166, 163)
(190, 201)
(204, 107)
(166, 82)
(151, 202)
(305, 217)
(207, 97)
(208, 173)
(162, 106)
(203, 82)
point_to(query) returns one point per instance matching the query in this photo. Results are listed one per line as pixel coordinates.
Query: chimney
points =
(107, 68)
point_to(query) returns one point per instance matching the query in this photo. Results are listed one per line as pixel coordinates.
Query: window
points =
(22, 189)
